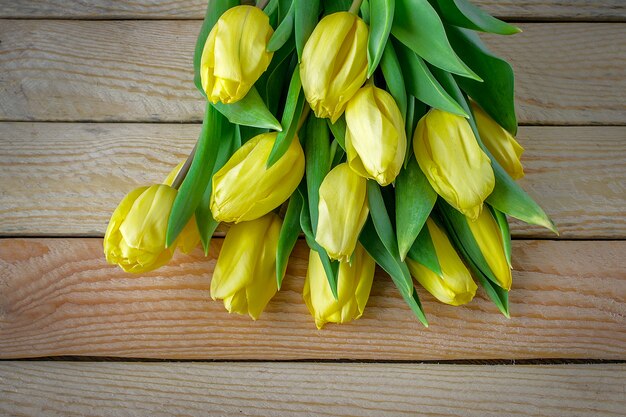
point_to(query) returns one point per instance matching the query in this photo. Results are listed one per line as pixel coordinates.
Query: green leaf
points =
(496, 94)
(229, 142)
(423, 251)
(276, 80)
(334, 6)
(380, 218)
(291, 117)
(365, 11)
(464, 14)
(503, 224)
(415, 199)
(317, 162)
(422, 84)
(507, 196)
(497, 295)
(339, 131)
(337, 153)
(271, 8)
(288, 237)
(306, 15)
(215, 8)
(417, 25)
(381, 13)
(249, 111)
(283, 31)
(392, 71)
(397, 270)
(193, 186)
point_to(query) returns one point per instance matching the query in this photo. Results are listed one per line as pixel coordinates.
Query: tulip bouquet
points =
(395, 147)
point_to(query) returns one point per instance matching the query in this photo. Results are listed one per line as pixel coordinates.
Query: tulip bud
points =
(245, 188)
(342, 210)
(450, 157)
(455, 286)
(334, 63)
(487, 234)
(500, 143)
(245, 273)
(354, 283)
(235, 54)
(375, 135)
(135, 237)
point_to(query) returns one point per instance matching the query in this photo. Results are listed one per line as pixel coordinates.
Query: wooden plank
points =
(60, 298)
(142, 71)
(60, 179)
(304, 389)
(598, 10)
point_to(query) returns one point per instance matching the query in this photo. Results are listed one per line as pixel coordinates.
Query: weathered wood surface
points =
(60, 298)
(65, 179)
(142, 71)
(596, 10)
(46, 389)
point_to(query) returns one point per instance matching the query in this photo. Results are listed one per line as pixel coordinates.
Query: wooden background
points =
(96, 98)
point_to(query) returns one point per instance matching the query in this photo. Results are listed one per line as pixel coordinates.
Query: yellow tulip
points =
(354, 283)
(235, 54)
(500, 143)
(135, 237)
(487, 234)
(450, 157)
(375, 136)
(245, 189)
(343, 210)
(245, 273)
(455, 286)
(334, 63)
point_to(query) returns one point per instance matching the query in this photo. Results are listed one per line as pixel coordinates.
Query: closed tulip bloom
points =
(245, 189)
(455, 286)
(245, 273)
(135, 237)
(342, 210)
(375, 135)
(354, 283)
(334, 63)
(500, 143)
(455, 165)
(489, 239)
(235, 54)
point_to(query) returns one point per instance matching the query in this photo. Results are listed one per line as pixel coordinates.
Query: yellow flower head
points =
(334, 63)
(455, 286)
(500, 143)
(245, 273)
(343, 210)
(375, 136)
(235, 54)
(450, 157)
(245, 189)
(354, 283)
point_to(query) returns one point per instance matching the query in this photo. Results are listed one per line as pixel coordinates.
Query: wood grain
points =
(65, 179)
(59, 297)
(597, 10)
(142, 71)
(305, 389)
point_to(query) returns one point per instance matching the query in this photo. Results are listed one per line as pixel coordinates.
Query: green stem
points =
(356, 5)
(180, 177)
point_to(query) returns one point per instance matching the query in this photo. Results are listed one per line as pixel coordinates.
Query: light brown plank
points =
(65, 179)
(306, 389)
(60, 298)
(597, 10)
(142, 71)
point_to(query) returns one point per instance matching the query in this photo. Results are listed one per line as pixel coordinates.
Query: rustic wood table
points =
(96, 98)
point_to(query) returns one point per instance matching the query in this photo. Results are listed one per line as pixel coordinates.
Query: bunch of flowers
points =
(395, 147)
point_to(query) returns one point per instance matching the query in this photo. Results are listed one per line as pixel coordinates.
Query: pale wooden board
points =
(60, 298)
(597, 10)
(102, 389)
(65, 179)
(142, 71)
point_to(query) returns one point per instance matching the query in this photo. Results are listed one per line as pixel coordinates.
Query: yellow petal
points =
(450, 157)
(343, 211)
